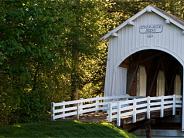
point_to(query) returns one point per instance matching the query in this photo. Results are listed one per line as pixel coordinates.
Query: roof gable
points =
(168, 17)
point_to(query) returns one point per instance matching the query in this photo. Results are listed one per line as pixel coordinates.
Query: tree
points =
(29, 37)
(51, 51)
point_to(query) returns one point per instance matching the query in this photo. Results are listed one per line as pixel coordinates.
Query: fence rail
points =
(130, 108)
(78, 107)
(116, 107)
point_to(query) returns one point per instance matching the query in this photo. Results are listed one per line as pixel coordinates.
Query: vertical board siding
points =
(107, 88)
(129, 41)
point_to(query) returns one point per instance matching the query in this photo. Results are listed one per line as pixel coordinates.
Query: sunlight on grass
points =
(120, 131)
(17, 125)
(64, 129)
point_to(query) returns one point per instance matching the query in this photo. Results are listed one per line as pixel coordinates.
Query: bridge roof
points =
(170, 18)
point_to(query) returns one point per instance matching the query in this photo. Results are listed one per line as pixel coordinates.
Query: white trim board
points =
(149, 8)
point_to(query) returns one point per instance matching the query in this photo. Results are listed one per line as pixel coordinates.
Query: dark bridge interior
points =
(153, 61)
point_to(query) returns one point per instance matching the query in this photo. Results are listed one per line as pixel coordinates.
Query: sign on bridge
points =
(152, 28)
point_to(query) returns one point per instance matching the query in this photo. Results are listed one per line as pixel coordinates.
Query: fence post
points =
(78, 110)
(110, 112)
(162, 107)
(81, 104)
(148, 107)
(174, 105)
(52, 111)
(134, 110)
(63, 109)
(97, 104)
(119, 113)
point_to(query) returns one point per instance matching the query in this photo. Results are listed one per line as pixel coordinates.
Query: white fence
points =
(82, 106)
(130, 108)
(116, 107)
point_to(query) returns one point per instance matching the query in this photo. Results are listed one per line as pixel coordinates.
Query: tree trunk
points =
(75, 52)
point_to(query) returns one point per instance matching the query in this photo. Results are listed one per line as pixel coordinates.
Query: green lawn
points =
(64, 129)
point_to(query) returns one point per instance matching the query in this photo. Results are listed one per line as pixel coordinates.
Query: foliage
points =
(27, 33)
(63, 129)
(43, 44)
(50, 51)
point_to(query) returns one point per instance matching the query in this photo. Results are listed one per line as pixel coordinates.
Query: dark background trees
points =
(50, 51)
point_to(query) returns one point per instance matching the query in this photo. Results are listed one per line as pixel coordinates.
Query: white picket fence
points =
(130, 108)
(116, 107)
(83, 106)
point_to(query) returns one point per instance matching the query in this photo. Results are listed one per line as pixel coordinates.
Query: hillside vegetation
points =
(68, 129)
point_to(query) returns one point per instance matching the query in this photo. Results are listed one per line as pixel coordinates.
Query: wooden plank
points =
(155, 98)
(65, 115)
(126, 102)
(142, 105)
(141, 99)
(168, 102)
(168, 106)
(141, 111)
(155, 108)
(127, 114)
(70, 114)
(126, 108)
(58, 104)
(89, 100)
(168, 97)
(88, 110)
(88, 105)
(65, 110)
(178, 105)
(178, 101)
(155, 104)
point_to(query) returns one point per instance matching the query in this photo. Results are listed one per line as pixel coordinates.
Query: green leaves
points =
(50, 50)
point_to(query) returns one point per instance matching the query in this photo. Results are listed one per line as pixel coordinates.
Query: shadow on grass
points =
(69, 129)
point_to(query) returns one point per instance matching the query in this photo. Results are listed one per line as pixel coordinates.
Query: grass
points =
(64, 129)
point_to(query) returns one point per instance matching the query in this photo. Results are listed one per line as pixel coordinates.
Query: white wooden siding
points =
(130, 41)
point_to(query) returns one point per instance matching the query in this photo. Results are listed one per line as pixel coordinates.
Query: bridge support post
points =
(110, 112)
(81, 104)
(63, 109)
(97, 104)
(162, 107)
(119, 114)
(148, 107)
(78, 111)
(174, 105)
(148, 129)
(134, 110)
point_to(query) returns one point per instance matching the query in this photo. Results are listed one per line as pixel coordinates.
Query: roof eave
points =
(147, 9)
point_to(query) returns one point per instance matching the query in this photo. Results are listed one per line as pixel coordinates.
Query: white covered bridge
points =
(144, 73)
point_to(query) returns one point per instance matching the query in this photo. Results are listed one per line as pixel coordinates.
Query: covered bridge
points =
(146, 56)
(144, 74)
